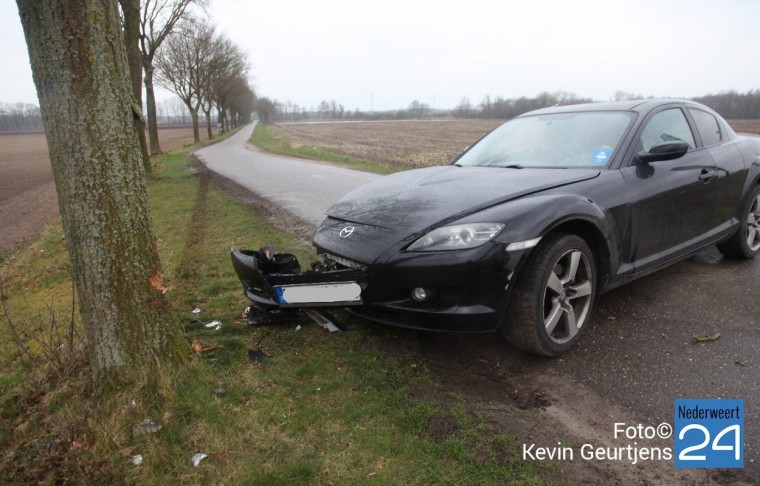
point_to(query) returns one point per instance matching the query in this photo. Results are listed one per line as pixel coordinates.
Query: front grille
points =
(345, 262)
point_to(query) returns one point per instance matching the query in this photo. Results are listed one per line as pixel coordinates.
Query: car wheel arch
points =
(595, 238)
(526, 323)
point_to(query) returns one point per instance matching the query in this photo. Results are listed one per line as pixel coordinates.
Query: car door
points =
(672, 201)
(732, 173)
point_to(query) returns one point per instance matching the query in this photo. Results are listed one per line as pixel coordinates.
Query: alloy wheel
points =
(567, 296)
(753, 225)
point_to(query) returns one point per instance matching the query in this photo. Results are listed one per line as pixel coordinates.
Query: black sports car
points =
(530, 223)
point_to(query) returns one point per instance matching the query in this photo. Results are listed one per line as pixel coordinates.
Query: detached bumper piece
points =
(275, 284)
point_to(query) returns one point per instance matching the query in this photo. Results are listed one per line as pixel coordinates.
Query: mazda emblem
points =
(346, 232)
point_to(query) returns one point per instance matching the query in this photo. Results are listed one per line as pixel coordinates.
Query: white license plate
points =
(329, 293)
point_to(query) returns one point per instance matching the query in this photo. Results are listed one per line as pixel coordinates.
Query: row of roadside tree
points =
(171, 43)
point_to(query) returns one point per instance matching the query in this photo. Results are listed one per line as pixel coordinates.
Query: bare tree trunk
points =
(208, 123)
(196, 127)
(131, 9)
(82, 78)
(150, 101)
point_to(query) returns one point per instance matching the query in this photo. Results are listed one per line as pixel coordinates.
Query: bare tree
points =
(464, 108)
(621, 95)
(244, 104)
(235, 100)
(181, 65)
(226, 61)
(227, 89)
(131, 18)
(225, 78)
(80, 70)
(418, 110)
(159, 18)
(266, 109)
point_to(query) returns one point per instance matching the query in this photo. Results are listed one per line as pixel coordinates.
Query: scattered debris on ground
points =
(199, 349)
(705, 339)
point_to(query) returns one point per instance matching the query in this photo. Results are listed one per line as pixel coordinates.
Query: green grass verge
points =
(323, 408)
(263, 139)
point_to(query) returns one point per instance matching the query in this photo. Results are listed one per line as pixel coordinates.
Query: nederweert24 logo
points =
(709, 433)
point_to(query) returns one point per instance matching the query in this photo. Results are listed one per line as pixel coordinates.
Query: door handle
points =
(707, 175)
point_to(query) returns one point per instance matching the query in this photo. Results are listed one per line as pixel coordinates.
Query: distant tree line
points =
(20, 116)
(238, 102)
(733, 105)
(498, 107)
(501, 108)
(27, 117)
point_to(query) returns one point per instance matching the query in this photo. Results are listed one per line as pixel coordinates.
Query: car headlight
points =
(457, 237)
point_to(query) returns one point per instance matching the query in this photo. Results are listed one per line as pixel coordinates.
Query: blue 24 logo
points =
(709, 433)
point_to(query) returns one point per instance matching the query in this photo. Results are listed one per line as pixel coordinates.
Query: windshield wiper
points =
(512, 166)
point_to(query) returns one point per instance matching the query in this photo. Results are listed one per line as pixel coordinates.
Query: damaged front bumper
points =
(277, 282)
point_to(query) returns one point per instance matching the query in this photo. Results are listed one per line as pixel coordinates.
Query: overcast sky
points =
(372, 54)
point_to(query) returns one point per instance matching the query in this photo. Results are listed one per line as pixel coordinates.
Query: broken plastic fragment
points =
(256, 356)
(197, 458)
(298, 328)
(216, 325)
(220, 391)
(197, 310)
(147, 426)
(137, 460)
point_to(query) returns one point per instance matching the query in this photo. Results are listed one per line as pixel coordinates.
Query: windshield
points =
(585, 139)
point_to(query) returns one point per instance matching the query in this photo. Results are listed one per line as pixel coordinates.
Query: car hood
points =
(394, 207)
(418, 199)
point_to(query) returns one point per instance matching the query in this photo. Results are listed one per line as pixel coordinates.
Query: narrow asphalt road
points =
(637, 353)
(304, 188)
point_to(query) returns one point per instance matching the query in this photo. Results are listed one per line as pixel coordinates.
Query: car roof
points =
(639, 106)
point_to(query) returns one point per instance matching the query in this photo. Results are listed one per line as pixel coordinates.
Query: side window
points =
(667, 126)
(707, 126)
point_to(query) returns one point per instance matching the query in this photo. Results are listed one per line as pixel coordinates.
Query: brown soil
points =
(404, 144)
(28, 200)
(745, 126)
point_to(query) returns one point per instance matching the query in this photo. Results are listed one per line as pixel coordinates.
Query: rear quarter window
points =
(707, 126)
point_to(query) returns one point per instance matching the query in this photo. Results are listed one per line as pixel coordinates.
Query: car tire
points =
(552, 300)
(745, 243)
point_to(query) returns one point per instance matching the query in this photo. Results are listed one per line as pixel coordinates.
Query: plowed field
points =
(27, 194)
(403, 144)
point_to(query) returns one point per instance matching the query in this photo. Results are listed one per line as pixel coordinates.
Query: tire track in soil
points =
(195, 231)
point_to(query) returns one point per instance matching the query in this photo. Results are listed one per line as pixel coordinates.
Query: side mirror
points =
(663, 151)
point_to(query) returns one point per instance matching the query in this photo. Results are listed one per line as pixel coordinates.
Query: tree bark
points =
(80, 70)
(150, 101)
(196, 125)
(131, 10)
(209, 130)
